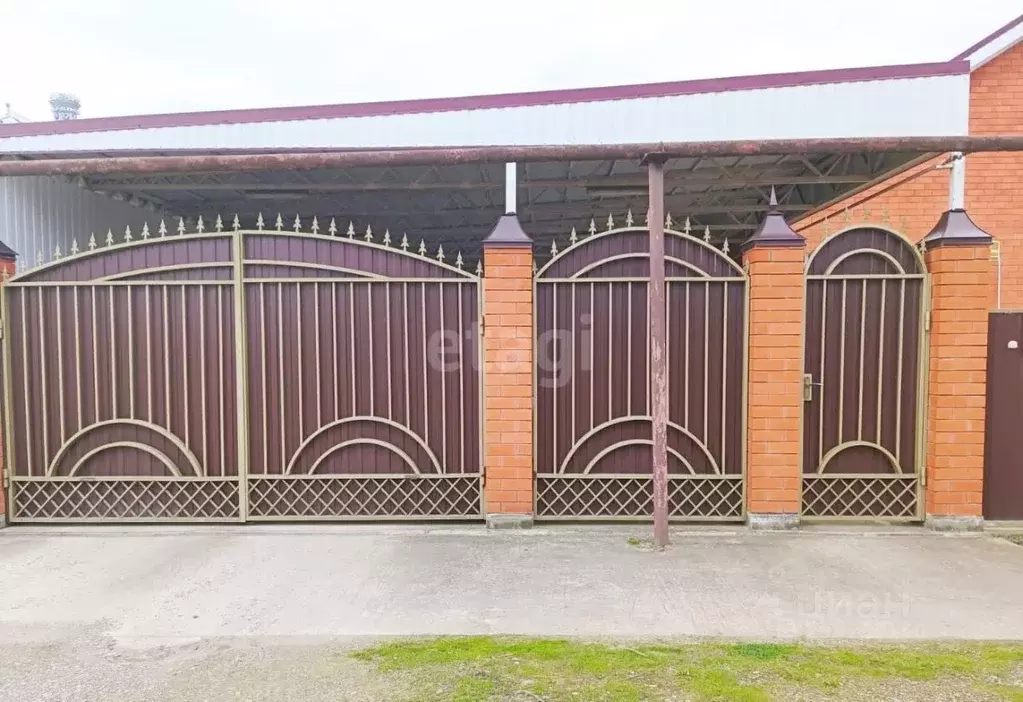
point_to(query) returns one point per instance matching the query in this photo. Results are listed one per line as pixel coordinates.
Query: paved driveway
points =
(169, 597)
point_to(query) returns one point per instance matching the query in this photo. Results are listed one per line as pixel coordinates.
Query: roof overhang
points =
(993, 45)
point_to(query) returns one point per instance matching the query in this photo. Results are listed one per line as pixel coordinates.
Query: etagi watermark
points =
(559, 352)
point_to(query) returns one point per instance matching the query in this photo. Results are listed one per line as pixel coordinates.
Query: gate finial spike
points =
(479, 268)
(628, 218)
(259, 222)
(724, 246)
(57, 255)
(200, 227)
(236, 223)
(279, 223)
(610, 222)
(668, 222)
(315, 228)
(39, 257)
(404, 241)
(688, 228)
(162, 230)
(127, 234)
(110, 237)
(145, 231)
(422, 247)
(534, 266)
(298, 224)
(351, 230)
(181, 226)
(554, 247)
(387, 237)
(774, 198)
(74, 247)
(218, 226)
(573, 237)
(369, 233)
(706, 233)
(593, 227)
(440, 253)
(458, 261)
(332, 229)
(923, 246)
(92, 242)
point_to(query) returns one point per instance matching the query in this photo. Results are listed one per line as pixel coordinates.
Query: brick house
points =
(330, 313)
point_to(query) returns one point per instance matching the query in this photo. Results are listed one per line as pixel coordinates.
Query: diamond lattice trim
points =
(364, 497)
(860, 497)
(125, 500)
(711, 497)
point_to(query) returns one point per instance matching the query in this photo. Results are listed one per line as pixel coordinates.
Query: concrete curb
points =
(954, 524)
(772, 522)
(509, 521)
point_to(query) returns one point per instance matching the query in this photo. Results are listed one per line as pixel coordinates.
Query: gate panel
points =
(594, 442)
(120, 383)
(864, 356)
(364, 386)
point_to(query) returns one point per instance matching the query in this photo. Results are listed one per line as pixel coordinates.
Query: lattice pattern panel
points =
(134, 500)
(597, 497)
(860, 497)
(450, 497)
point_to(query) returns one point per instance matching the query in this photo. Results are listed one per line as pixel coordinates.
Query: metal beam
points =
(500, 154)
(672, 179)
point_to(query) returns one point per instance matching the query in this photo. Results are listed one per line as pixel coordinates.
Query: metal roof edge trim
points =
(997, 34)
(483, 102)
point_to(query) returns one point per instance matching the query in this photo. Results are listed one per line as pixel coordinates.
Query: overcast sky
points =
(141, 56)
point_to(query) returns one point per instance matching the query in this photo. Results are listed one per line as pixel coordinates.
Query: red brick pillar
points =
(774, 258)
(508, 375)
(958, 256)
(7, 263)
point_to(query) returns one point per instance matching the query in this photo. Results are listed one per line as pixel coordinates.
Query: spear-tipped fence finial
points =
(422, 247)
(628, 218)
(440, 253)
(458, 261)
(162, 229)
(404, 241)
(593, 226)
(92, 242)
(218, 226)
(57, 255)
(350, 232)
(297, 226)
(668, 222)
(610, 222)
(200, 227)
(573, 237)
(315, 228)
(236, 224)
(259, 222)
(145, 231)
(74, 247)
(279, 223)
(706, 234)
(369, 233)
(332, 229)
(110, 237)
(127, 234)
(181, 226)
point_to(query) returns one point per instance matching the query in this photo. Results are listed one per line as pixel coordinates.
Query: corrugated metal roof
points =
(931, 102)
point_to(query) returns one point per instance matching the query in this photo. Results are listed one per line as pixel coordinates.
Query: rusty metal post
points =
(658, 356)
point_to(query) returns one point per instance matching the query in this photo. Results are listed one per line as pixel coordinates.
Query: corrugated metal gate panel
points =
(1003, 469)
(865, 302)
(358, 364)
(593, 443)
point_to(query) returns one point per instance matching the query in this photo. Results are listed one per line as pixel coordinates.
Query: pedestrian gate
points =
(865, 356)
(233, 375)
(593, 424)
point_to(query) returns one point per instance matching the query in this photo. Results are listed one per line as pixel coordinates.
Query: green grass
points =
(471, 669)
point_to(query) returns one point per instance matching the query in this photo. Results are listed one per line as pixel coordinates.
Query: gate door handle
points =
(808, 384)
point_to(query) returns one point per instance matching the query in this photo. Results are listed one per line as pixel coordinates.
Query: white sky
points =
(140, 56)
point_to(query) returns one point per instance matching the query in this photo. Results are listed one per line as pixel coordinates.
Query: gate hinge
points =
(7, 477)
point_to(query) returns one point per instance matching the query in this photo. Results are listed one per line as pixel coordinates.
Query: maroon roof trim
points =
(990, 38)
(484, 102)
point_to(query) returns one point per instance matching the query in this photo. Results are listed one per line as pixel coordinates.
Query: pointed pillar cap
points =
(955, 228)
(506, 233)
(774, 230)
(7, 253)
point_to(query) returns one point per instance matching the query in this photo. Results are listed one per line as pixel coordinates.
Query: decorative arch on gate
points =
(191, 353)
(865, 359)
(593, 425)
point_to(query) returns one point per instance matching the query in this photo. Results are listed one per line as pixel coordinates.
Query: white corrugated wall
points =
(38, 213)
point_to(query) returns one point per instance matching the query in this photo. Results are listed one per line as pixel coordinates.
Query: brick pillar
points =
(773, 257)
(7, 269)
(508, 375)
(962, 294)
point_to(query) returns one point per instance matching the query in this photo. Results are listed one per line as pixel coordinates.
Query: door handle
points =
(808, 384)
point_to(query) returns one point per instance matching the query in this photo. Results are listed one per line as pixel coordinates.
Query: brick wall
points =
(508, 379)
(775, 376)
(994, 182)
(961, 296)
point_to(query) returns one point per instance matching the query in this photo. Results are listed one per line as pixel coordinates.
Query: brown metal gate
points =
(864, 363)
(593, 436)
(1003, 444)
(347, 387)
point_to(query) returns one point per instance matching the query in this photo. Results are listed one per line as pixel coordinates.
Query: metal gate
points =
(593, 436)
(233, 375)
(864, 365)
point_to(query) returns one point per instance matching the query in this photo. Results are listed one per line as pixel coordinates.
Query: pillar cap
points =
(955, 228)
(7, 253)
(507, 232)
(774, 231)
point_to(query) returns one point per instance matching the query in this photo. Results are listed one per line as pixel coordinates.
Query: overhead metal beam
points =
(673, 179)
(500, 154)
